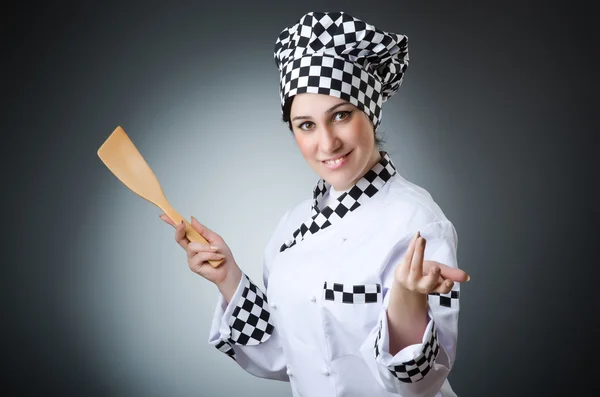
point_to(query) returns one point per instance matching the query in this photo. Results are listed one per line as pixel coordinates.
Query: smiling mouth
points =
(334, 163)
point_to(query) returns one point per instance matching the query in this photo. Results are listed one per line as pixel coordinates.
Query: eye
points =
(307, 125)
(344, 114)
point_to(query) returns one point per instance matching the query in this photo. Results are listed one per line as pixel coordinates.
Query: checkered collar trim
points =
(348, 201)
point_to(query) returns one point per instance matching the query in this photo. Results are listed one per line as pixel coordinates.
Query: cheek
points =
(362, 135)
(305, 145)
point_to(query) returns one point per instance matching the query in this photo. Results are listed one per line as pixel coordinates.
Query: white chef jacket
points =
(320, 321)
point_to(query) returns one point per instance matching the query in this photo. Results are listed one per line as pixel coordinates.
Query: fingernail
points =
(468, 278)
(213, 248)
(220, 255)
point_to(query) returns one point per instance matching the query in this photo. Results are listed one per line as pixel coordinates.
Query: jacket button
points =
(342, 240)
(313, 299)
(289, 372)
(273, 305)
(326, 372)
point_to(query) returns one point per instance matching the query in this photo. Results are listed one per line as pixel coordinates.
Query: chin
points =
(340, 183)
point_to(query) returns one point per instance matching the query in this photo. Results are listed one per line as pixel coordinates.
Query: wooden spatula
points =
(123, 159)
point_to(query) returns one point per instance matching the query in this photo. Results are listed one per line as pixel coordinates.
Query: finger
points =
(416, 266)
(205, 232)
(201, 257)
(194, 247)
(199, 247)
(167, 220)
(431, 281)
(445, 287)
(407, 259)
(180, 236)
(452, 273)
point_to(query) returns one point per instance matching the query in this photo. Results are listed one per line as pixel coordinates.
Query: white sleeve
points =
(419, 370)
(244, 329)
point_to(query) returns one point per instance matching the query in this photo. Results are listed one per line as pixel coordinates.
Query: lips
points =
(337, 162)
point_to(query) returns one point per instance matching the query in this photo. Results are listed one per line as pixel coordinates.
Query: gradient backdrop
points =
(98, 300)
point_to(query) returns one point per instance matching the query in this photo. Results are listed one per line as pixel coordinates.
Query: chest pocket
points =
(349, 311)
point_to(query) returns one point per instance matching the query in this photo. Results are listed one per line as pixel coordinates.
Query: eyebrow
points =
(331, 109)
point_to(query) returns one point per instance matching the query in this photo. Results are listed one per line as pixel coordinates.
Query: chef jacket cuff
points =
(412, 363)
(245, 320)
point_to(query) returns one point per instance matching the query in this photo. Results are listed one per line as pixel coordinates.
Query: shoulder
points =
(407, 197)
(287, 225)
(292, 219)
(416, 208)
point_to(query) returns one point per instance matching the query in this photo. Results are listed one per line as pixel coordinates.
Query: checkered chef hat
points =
(336, 54)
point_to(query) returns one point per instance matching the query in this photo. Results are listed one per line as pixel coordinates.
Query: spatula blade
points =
(124, 160)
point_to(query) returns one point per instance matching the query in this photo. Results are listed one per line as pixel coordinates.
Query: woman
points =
(361, 280)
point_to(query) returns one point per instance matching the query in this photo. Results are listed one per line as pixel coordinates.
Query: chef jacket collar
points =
(348, 201)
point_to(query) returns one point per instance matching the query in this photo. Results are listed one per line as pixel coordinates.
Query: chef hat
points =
(336, 54)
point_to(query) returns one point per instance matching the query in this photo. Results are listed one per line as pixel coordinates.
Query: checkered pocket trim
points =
(354, 294)
(250, 322)
(449, 300)
(414, 370)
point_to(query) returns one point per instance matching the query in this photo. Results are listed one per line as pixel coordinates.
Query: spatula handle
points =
(190, 232)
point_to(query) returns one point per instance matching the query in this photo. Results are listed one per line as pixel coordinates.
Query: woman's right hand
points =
(227, 275)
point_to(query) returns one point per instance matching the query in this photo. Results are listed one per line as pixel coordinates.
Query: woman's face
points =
(335, 137)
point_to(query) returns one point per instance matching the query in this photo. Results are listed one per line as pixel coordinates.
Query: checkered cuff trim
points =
(227, 348)
(250, 322)
(414, 370)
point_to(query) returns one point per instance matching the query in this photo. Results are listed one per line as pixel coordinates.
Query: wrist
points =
(230, 283)
(407, 315)
(412, 301)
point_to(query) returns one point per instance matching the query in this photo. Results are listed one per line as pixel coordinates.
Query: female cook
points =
(361, 280)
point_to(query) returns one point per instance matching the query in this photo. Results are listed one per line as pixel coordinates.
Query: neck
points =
(375, 158)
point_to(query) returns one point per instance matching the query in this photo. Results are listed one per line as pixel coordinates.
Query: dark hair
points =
(287, 109)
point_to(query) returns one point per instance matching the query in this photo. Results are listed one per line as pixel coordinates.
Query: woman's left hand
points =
(416, 275)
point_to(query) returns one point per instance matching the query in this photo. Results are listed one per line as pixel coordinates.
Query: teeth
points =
(336, 161)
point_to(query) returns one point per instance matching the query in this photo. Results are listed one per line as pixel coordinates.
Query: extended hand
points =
(416, 275)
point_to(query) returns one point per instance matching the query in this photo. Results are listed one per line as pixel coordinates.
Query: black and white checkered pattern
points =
(227, 348)
(344, 293)
(347, 202)
(446, 300)
(414, 370)
(336, 54)
(324, 74)
(250, 321)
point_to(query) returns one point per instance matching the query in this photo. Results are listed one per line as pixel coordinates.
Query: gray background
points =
(493, 119)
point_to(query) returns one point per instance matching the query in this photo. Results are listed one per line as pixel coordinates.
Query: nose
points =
(328, 140)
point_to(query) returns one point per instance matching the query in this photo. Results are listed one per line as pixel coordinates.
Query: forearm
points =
(407, 318)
